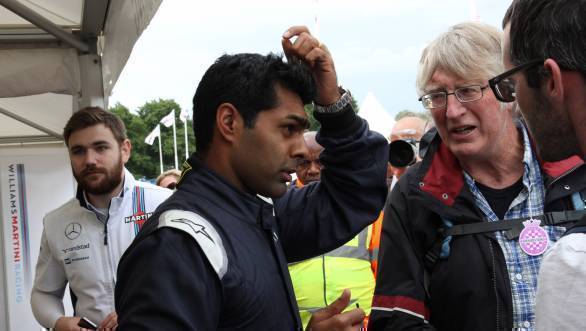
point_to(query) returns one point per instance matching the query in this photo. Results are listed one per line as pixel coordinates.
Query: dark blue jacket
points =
(167, 280)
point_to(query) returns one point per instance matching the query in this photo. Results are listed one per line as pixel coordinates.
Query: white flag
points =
(150, 139)
(169, 119)
(183, 115)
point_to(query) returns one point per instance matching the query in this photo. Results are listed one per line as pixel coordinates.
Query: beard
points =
(555, 136)
(111, 179)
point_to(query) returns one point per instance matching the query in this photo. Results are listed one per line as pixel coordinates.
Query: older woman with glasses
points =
(455, 251)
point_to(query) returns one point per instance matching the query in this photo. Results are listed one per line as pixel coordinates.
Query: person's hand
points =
(110, 323)
(331, 318)
(308, 49)
(65, 323)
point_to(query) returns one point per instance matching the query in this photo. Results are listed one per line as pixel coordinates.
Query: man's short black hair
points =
(247, 81)
(542, 29)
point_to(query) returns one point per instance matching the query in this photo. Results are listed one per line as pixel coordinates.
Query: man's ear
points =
(126, 149)
(228, 122)
(554, 86)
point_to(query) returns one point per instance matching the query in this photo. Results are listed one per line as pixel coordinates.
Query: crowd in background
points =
(471, 217)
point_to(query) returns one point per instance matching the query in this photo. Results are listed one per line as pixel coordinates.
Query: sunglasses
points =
(503, 86)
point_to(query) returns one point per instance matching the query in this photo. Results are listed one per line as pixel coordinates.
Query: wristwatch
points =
(337, 106)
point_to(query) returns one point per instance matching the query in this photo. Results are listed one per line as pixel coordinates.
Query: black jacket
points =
(469, 290)
(167, 282)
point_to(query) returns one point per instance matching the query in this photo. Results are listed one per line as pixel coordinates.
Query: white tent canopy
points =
(57, 56)
(377, 117)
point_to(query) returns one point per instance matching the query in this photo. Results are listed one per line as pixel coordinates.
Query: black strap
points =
(514, 226)
(432, 255)
(579, 227)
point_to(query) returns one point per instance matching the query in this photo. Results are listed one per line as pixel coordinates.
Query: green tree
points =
(144, 161)
(410, 113)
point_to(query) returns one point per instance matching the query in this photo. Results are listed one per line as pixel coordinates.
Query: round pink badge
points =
(533, 239)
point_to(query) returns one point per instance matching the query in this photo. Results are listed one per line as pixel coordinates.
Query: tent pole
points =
(160, 154)
(186, 145)
(175, 141)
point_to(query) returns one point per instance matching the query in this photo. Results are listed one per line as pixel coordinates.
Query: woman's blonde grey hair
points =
(470, 50)
(171, 172)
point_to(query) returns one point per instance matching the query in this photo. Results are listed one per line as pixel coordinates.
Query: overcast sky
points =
(375, 44)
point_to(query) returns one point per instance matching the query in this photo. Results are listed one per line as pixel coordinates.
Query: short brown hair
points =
(90, 116)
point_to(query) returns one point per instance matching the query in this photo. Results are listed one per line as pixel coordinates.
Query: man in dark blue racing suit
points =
(215, 254)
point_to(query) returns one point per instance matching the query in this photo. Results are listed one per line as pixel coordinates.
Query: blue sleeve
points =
(322, 216)
(170, 287)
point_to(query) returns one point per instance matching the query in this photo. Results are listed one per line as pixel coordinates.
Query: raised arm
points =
(352, 189)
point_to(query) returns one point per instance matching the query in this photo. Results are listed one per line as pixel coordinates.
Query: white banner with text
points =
(33, 181)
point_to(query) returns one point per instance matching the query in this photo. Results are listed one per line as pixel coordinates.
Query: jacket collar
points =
(202, 184)
(296, 183)
(440, 173)
(557, 169)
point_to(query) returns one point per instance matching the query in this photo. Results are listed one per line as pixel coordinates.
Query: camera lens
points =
(401, 153)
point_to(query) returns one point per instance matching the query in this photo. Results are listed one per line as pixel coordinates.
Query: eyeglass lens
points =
(463, 94)
(505, 89)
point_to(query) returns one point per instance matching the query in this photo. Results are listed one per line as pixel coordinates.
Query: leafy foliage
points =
(144, 161)
(410, 113)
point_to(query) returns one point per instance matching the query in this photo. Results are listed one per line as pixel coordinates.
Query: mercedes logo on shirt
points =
(72, 231)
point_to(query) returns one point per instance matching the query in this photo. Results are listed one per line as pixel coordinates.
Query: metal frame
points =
(30, 123)
(92, 87)
(30, 35)
(28, 140)
(45, 24)
(93, 18)
(46, 34)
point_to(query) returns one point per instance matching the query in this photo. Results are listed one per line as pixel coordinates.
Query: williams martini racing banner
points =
(17, 233)
(31, 185)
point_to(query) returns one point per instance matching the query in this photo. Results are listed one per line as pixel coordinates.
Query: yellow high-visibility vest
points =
(319, 281)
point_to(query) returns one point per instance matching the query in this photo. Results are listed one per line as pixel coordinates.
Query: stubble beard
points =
(554, 134)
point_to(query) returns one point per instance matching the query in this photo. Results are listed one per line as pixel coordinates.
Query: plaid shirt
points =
(522, 267)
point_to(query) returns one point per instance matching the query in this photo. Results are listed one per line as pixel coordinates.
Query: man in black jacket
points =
(544, 54)
(214, 256)
(453, 254)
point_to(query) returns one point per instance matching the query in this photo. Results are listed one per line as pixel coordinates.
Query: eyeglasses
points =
(503, 86)
(463, 94)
